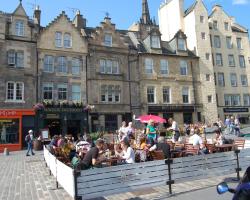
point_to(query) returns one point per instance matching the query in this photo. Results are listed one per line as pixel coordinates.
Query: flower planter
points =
(38, 145)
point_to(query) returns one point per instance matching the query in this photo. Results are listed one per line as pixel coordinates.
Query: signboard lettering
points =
(7, 113)
(234, 110)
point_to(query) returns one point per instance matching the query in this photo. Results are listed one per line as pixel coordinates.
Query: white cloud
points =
(240, 2)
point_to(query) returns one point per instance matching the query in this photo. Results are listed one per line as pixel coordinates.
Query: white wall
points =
(190, 32)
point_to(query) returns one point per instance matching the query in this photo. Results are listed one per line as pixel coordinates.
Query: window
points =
(109, 67)
(181, 44)
(15, 91)
(58, 39)
(233, 79)
(239, 45)
(244, 81)
(9, 131)
(48, 91)
(108, 40)
(226, 26)
(151, 94)
(203, 35)
(218, 60)
(76, 66)
(231, 61)
(221, 81)
(246, 99)
(209, 99)
(185, 95)
(149, 65)
(155, 42)
(183, 67)
(67, 40)
(217, 43)
(76, 92)
(48, 65)
(201, 19)
(19, 28)
(229, 42)
(215, 25)
(242, 61)
(166, 94)
(62, 65)
(110, 93)
(19, 60)
(62, 91)
(164, 67)
(208, 77)
(11, 57)
(111, 122)
(232, 100)
(16, 58)
(207, 56)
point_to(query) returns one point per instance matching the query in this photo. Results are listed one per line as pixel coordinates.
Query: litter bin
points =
(38, 145)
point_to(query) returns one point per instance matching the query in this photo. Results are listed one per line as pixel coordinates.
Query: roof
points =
(190, 9)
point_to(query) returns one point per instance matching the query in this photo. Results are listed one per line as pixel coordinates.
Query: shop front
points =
(241, 113)
(14, 125)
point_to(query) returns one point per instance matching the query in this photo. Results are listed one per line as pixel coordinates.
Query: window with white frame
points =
(181, 44)
(217, 43)
(109, 66)
(231, 61)
(229, 42)
(149, 65)
(215, 25)
(67, 40)
(15, 91)
(76, 66)
(16, 58)
(183, 67)
(239, 44)
(164, 67)
(185, 95)
(232, 99)
(48, 91)
(155, 41)
(242, 61)
(76, 92)
(246, 99)
(108, 40)
(19, 28)
(226, 26)
(203, 35)
(209, 99)
(110, 93)
(221, 81)
(218, 59)
(166, 94)
(244, 81)
(201, 19)
(151, 94)
(62, 65)
(207, 56)
(62, 90)
(233, 79)
(58, 39)
(48, 64)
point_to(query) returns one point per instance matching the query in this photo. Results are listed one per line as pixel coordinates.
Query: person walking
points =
(29, 140)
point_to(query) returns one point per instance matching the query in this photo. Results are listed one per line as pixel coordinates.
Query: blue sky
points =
(122, 12)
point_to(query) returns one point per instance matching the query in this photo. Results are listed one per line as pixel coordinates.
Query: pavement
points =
(27, 178)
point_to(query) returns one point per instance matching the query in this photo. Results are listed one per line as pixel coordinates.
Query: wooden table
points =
(225, 147)
(112, 161)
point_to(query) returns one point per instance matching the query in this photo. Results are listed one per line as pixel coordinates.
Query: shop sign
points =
(6, 113)
(177, 108)
(235, 110)
(53, 110)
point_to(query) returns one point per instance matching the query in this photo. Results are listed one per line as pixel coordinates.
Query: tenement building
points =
(18, 35)
(223, 48)
(169, 72)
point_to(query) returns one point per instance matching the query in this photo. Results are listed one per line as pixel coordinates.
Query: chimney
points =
(79, 21)
(37, 15)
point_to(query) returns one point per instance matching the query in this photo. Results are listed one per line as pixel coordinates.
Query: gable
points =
(20, 11)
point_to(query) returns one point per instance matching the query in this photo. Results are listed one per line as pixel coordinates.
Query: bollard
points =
(6, 152)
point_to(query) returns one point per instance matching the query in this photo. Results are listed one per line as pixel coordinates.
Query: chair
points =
(157, 155)
(211, 148)
(239, 143)
(188, 145)
(191, 151)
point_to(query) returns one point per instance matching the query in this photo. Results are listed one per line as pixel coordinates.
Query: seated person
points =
(91, 157)
(162, 145)
(143, 144)
(219, 138)
(127, 152)
(195, 138)
(53, 143)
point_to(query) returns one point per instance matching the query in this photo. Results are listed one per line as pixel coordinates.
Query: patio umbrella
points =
(155, 118)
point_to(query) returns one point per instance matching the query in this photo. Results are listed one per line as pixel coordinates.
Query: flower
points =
(38, 106)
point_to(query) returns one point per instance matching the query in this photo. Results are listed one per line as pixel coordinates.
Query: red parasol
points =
(156, 119)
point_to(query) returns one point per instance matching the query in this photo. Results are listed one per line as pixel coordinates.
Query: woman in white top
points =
(127, 152)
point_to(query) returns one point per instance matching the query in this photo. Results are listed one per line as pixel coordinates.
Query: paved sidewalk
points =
(27, 178)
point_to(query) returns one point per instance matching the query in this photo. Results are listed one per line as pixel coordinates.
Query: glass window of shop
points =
(9, 131)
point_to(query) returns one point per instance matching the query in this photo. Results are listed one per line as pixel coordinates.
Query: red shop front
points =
(11, 128)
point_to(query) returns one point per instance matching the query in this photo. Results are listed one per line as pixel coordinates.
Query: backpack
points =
(27, 138)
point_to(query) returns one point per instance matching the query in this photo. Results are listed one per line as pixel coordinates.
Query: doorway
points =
(73, 127)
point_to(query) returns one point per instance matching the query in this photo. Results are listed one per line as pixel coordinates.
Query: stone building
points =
(112, 77)
(18, 34)
(169, 72)
(223, 48)
(62, 52)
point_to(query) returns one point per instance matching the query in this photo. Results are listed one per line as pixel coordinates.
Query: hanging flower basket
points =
(38, 107)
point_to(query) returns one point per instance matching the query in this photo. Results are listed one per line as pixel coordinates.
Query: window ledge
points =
(13, 101)
(106, 74)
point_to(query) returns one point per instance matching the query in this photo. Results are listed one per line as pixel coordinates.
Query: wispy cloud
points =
(241, 2)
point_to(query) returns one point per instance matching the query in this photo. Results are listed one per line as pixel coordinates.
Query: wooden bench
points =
(239, 143)
(157, 155)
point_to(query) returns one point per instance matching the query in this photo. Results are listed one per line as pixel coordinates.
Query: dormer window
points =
(108, 40)
(155, 42)
(19, 29)
(181, 44)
